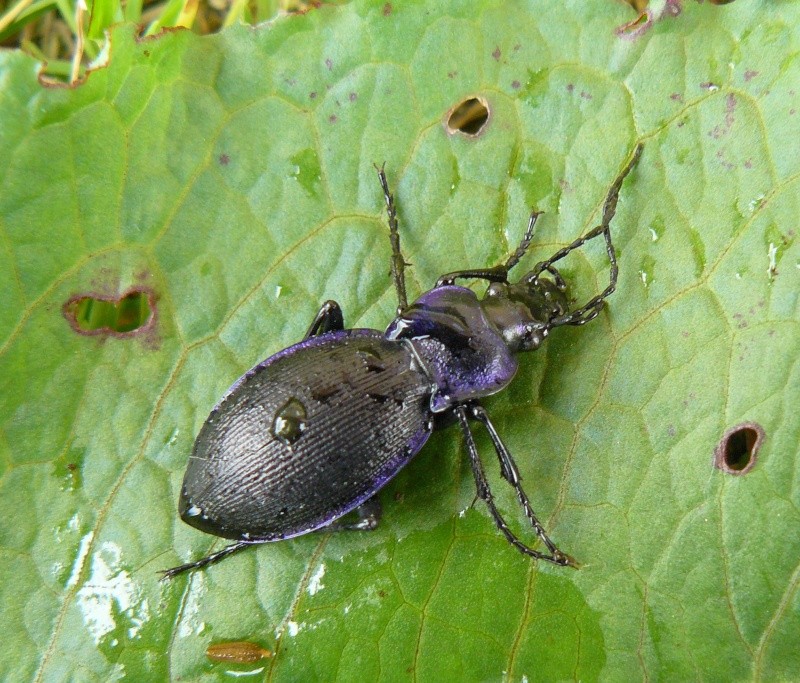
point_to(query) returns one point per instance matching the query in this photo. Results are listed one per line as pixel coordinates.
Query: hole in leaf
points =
(469, 117)
(737, 450)
(95, 314)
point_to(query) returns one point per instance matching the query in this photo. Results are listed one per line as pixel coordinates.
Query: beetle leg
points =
(328, 319)
(210, 559)
(369, 515)
(508, 468)
(398, 262)
(510, 473)
(498, 273)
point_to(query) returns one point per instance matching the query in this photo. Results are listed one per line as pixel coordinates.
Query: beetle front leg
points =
(510, 473)
(498, 273)
(329, 318)
(398, 264)
(369, 515)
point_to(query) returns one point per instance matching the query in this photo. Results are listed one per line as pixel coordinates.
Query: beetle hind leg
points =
(509, 471)
(205, 561)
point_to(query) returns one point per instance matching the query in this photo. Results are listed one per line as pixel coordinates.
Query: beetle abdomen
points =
(306, 436)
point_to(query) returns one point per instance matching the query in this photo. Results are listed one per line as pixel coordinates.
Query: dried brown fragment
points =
(237, 652)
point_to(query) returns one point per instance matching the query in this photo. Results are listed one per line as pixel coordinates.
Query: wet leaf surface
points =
(232, 176)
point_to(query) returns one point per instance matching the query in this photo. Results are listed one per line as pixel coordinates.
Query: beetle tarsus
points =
(398, 262)
(167, 574)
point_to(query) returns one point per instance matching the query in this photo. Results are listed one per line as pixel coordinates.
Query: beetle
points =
(316, 430)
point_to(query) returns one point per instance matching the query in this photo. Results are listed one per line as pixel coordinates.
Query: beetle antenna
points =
(592, 308)
(513, 260)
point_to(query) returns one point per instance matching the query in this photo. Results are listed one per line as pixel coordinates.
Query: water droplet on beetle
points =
(290, 422)
(193, 511)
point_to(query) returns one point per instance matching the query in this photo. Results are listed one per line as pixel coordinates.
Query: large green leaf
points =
(231, 176)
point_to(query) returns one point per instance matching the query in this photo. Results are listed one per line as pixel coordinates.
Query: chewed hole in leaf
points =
(737, 451)
(468, 117)
(123, 316)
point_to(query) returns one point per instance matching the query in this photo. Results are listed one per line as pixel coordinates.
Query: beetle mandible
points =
(316, 430)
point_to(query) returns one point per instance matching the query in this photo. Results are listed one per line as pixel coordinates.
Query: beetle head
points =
(524, 312)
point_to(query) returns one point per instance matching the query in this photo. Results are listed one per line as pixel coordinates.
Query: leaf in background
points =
(230, 177)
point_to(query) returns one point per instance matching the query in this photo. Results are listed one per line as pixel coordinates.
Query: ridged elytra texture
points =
(365, 405)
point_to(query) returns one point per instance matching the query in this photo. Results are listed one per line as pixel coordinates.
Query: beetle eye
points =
(527, 336)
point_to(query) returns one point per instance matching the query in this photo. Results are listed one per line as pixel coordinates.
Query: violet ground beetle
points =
(316, 430)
